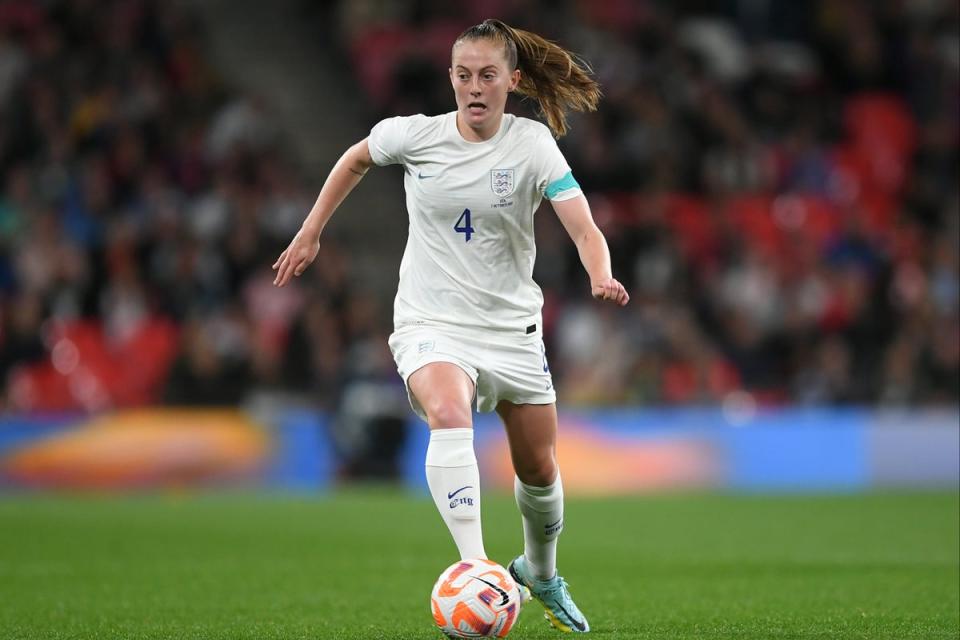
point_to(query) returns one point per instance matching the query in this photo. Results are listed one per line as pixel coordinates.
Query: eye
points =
(488, 76)
(462, 76)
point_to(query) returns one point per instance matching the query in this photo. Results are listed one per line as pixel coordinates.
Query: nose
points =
(475, 87)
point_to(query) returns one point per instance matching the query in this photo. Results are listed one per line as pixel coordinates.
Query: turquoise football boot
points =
(553, 594)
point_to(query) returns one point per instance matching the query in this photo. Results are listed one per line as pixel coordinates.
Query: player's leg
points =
(532, 435)
(445, 392)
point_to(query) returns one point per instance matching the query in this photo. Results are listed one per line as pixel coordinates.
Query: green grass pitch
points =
(360, 564)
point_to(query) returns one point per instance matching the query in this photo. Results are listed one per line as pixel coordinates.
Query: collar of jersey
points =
(452, 117)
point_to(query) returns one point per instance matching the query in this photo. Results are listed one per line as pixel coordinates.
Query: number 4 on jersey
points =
(463, 225)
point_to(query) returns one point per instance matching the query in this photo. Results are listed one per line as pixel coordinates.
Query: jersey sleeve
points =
(556, 181)
(387, 141)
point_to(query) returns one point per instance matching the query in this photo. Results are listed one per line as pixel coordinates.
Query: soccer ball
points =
(475, 599)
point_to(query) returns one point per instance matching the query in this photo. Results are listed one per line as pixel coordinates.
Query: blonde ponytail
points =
(556, 78)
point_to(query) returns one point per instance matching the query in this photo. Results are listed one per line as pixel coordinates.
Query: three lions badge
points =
(501, 181)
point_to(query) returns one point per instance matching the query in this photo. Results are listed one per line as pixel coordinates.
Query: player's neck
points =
(479, 135)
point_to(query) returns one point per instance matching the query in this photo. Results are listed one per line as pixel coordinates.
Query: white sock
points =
(454, 481)
(542, 511)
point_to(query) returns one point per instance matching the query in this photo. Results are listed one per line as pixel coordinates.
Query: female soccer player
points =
(467, 325)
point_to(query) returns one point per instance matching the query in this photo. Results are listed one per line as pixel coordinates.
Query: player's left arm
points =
(575, 215)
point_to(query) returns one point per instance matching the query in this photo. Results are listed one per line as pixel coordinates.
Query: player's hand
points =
(610, 289)
(296, 257)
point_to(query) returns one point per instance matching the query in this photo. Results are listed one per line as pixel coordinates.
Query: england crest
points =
(501, 181)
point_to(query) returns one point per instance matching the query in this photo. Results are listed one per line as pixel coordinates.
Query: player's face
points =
(481, 82)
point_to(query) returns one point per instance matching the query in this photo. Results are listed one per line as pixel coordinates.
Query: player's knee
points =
(447, 413)
(539, 471)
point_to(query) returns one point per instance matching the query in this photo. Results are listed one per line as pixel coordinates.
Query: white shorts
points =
(503, 365)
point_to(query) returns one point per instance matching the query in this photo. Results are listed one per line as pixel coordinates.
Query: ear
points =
(514, 80)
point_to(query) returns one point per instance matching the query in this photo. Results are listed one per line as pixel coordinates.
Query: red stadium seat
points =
(882, 136)
(752, 215)
(693, 227)
(86, 372)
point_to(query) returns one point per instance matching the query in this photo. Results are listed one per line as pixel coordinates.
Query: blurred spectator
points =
(207, 372)
(20, 342)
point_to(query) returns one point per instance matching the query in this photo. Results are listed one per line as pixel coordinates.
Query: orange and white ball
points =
(475, 599)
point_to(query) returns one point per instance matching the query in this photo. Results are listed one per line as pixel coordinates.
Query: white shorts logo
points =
(501, 181)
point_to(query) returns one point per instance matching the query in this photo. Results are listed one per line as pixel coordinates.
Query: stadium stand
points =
(780, 198)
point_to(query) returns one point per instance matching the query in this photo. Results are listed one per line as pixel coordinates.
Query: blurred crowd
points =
(777, 181)
(143, 203)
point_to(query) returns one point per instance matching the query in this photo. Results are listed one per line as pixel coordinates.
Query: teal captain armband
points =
(561, 184)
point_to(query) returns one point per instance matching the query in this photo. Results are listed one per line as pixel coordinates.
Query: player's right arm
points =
(344, 176)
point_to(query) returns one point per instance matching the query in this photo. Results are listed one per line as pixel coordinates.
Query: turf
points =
(360, 564)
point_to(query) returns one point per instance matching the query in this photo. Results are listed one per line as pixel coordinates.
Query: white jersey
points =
(470, 251)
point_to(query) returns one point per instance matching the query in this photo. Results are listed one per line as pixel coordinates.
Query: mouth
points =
(476, 108)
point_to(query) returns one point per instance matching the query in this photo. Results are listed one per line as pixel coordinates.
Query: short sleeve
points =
(387, 141)
(556, 181)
